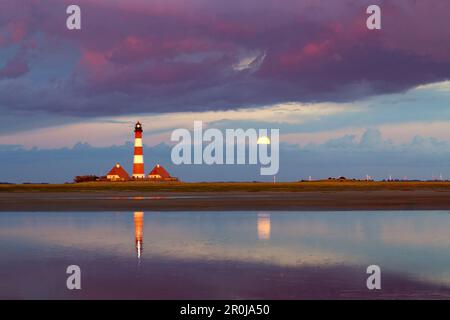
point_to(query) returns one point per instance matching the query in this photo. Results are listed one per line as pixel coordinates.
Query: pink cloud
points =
(304, 55)
(17, 31)
(93, 58)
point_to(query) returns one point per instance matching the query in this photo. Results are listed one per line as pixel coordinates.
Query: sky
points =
(347, 100)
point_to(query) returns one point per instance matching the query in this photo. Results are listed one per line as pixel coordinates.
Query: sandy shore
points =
(226, 201)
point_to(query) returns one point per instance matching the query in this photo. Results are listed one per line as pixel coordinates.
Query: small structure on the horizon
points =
(160, 174)
(117, 173)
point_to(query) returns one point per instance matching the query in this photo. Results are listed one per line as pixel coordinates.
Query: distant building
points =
(263, 226)
(117, 173)
(161, 174)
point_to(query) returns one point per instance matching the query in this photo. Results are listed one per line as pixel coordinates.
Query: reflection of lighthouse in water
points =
(138, 225)
(263, 226)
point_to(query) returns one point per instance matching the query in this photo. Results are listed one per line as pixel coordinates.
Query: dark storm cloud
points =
(141, 56)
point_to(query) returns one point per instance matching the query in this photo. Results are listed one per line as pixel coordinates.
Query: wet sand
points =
(226, 201)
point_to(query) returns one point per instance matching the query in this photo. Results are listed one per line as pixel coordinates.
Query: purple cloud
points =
(180, 55)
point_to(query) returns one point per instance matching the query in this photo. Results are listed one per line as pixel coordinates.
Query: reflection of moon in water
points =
(138, 225)
(263, 226)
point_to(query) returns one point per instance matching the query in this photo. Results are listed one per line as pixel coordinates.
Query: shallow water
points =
(225, 255)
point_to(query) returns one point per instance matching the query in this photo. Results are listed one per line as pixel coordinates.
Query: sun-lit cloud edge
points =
(306, 123)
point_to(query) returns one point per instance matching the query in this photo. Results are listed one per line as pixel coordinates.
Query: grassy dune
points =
(312, 186)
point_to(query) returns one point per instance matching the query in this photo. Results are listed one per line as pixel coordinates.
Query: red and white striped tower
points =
(138, 163)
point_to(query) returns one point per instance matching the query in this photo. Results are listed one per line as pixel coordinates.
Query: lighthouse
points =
(138, 163)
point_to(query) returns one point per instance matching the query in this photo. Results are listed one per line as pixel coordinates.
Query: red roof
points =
(117, 170)
(159, 170)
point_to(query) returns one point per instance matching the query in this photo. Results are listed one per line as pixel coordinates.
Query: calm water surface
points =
(225, 255)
